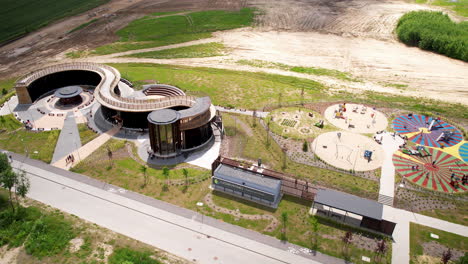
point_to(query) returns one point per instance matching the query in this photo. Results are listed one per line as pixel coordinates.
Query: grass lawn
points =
(306, 70)
(23, 16)
(298, 228)
(252, 147)
(6, 90)
(255, 90)
(196, 51)
(420, 235)
(245, 89)
(150, 31)
(126, 172)
(452, 215)
(459, 6)
(27, 142)
(86, 134)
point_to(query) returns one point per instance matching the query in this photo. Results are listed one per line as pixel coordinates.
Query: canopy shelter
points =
(352, 210)
(69, 94)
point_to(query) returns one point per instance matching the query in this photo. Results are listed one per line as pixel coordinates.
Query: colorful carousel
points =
(427, 131)
(432, 169)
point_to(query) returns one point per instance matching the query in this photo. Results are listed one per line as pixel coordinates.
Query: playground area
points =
(427, 131)
(348, 151)
(356, 118)
(432, 169)
(297, 122)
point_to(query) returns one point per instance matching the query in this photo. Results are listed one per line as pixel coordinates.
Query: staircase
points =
(385, 199)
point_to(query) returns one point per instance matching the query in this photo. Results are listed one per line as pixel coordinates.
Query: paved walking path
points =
(87, 149)
(401, 235)
(69, 139)
(9, 106)
(390, 144)
(242, 112)
(177, 230)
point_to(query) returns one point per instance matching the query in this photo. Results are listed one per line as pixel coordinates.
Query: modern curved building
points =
(177, 123)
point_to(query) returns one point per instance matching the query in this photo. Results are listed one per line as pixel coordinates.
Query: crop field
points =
(24, 16)
(154, 31)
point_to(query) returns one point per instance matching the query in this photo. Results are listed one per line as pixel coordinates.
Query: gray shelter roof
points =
(248, 178)
(201, 105)
(350, 203)
(68, 92)
(163, 116)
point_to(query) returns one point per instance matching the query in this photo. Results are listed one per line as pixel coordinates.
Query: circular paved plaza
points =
(427, 131)
(356, 118)
(347, 151)
(432, 169)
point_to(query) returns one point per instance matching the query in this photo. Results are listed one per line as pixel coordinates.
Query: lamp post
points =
(199, 205)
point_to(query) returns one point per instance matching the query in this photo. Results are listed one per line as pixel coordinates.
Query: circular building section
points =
(69, 95)
(164, 132)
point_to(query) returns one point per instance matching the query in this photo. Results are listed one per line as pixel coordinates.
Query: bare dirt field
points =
(40, 47)
(354, 36)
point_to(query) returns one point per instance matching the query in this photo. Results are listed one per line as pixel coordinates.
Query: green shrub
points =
(50, 235)
(126, 255)
(305, 146)
(434, 31)
(16, 226)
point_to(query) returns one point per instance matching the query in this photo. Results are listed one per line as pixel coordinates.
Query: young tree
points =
(347, 238)
(446, 256)
(305, 146)
(285, 155)
(17, 184)
(254, 118)
(380, 249)
(8, 181)
(267, 143)
(302, 96)
(4, 163)
(109, 155)
(143, 169)
(315, 227)
(22, 185)
(165, 173)
(284, 219)
(185, 172)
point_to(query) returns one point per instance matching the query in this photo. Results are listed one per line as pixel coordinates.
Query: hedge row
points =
(434, 31)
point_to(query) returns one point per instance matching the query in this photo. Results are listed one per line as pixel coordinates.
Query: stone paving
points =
(83, 152)
(69, 139)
